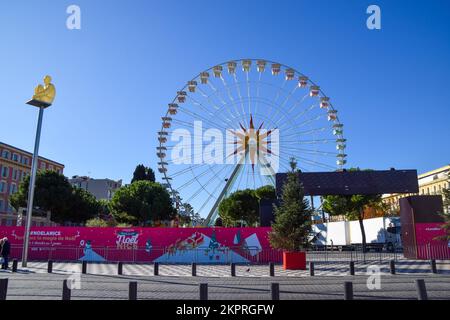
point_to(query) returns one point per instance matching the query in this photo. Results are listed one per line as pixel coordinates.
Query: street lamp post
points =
(42, 99)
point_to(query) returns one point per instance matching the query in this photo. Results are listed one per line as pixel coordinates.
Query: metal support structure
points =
(272, 269)
(230, 182)
(132, 290)
(31, 187)
(275, 291)
(392, 266)
(203, 291)
(3, 288)
(421, 290)
(348, 290)
(66, 294)
(433, 266)
(14, 266)
(352, 268)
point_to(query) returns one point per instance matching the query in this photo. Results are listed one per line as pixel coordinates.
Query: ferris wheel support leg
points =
(214, 212)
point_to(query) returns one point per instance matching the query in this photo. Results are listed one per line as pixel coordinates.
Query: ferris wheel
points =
(237, 124)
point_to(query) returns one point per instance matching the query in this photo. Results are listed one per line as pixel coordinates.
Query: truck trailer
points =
(381, 233)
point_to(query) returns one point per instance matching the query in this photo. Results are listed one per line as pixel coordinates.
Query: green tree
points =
(54, 193)
(292, 228)
(143, 173)
(242, 205)
(83, 206)
(352, 207)
(97, 222)
(266, 192)
(141, 203)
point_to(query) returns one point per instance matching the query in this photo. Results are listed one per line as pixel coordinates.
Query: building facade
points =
(101, 189)
(430, 183)
(15, 165)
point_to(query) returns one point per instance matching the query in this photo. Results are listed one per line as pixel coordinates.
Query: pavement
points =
(251, 282)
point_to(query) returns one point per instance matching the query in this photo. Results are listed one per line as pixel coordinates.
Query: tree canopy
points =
(54, 193)
(242, 206)
(142, 203)
(143, 173)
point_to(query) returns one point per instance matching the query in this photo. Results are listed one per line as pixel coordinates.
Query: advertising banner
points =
(165, 245)
(429, 246)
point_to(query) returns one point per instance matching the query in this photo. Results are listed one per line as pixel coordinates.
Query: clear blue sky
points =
(115, 76)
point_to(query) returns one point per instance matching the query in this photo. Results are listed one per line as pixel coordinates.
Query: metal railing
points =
(206, 255)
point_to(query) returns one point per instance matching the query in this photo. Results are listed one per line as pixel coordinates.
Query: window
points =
(5, 172)
(24, 174)
(15, 157)
(12, 188)
(5, 154)
(2, 188)
(25, 160)
(43, 165)
(9, 222)
(50, 167)
(14, 174)
(2, 204)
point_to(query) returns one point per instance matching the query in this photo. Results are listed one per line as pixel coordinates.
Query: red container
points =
(294, 260)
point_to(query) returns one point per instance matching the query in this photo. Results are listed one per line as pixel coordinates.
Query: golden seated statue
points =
(45, 93)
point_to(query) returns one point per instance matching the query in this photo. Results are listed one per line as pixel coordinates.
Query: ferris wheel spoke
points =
(314, 141)
(312, 131)
(257, 92)
(291, 94)
(248, 93)
(215, 115)
(196, 115)
(203, 186)
(225, 84)
(312, 162)
(325, 153)
(239, 93)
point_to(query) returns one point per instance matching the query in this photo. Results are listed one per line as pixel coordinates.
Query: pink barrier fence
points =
(165, 245)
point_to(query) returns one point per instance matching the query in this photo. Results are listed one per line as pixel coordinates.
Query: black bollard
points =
(203, 291)
(275, 291)
(50, 266)
(120, 268)
(156, 268)
(233, 270)
(132, 292)
(433, 266)
(348, 290)
(3, 288)
(84, 267)
(421, 290)
(14, 266)
(352, 268)
(272, 269)
(392, 266)
(311, 269)
(66, 291)
(194, 269)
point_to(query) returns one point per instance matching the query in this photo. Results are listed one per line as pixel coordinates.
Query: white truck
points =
(381, 233)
